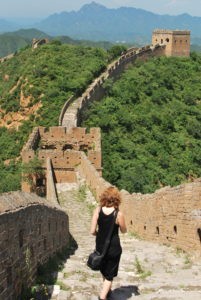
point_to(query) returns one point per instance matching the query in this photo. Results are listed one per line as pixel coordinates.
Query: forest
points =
(47, 75)
(150, 121)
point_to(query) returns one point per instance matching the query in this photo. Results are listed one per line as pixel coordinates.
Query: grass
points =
(91, 207)
(179, 251)
(81, 194)
(187, 262)
(135, 235)
(140, 269)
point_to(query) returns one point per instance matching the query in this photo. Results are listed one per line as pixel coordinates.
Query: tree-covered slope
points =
(34, 85)
(151, 124)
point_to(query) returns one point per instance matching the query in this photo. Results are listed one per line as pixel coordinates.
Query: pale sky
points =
(44, 8)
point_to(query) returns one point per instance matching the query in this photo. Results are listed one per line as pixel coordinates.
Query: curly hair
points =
(110, 197)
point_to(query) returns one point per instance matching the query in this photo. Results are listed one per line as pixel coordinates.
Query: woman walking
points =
(102, 220)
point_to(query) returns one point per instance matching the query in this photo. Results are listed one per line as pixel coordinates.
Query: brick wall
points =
(31, 231)
(171, 215)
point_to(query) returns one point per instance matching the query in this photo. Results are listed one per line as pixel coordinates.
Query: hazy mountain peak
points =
(93, 6)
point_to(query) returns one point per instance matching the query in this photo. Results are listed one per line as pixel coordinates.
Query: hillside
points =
(96, 22)
(150, 122)
(34, 85)
(11, 42)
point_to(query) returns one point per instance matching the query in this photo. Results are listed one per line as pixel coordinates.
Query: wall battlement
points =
(167, 31)
(63, 147)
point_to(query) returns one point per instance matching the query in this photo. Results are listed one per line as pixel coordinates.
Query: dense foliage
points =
(151, 124)
(47, 75)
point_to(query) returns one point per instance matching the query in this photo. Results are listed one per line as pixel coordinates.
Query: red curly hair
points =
(110, 197)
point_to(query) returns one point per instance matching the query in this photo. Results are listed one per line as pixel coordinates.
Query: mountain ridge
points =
(97, 22)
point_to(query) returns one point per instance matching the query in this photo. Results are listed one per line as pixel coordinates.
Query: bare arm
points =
(121, 222)
(94, 221)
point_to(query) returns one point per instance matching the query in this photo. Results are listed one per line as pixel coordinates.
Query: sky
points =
(43, 8)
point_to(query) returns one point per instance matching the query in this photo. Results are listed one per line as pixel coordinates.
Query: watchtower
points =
(177, 42)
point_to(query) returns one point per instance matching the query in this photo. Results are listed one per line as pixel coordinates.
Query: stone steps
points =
(166, 273)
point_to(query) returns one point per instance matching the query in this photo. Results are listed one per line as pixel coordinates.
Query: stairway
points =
(147, 270)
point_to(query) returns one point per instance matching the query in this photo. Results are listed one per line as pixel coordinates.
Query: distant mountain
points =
(7, 26)
(96, 22)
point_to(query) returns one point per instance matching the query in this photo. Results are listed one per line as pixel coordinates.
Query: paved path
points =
(147, 271)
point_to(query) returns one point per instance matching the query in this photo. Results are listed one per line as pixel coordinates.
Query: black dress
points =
(111, 260)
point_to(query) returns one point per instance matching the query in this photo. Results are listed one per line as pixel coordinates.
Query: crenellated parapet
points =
(63, 147)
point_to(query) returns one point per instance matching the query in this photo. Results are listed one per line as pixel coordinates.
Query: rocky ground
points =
(147, 270)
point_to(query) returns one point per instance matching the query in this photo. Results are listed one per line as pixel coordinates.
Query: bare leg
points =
(105, 288)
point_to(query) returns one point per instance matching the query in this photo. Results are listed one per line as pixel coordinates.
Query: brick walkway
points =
(147, 271)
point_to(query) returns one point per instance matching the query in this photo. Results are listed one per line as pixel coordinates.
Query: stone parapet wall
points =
(93, 178)
(64, 108)
(71, 112)
(51, 193)
(28, 150)
(74, 136)
(167, 31)
(171, 215)
(31, 231)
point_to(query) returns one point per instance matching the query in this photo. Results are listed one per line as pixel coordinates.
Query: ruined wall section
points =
(71, 113)
(171, 215)
(31, 231)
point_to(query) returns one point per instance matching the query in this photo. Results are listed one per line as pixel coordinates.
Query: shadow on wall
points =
(47, 274)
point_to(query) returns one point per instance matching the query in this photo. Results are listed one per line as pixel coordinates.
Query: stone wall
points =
(31, 231)
(177, 42)
(51, 192)
(62, 147)
(171, 215)
(71, 112)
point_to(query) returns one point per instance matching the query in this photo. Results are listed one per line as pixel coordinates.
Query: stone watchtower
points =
(177, 42)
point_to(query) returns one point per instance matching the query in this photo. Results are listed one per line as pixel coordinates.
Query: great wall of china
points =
(33, 229)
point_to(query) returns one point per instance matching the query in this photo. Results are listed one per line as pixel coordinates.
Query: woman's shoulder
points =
(119, 213)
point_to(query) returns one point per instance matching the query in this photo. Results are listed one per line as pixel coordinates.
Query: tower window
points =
(167, 40)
